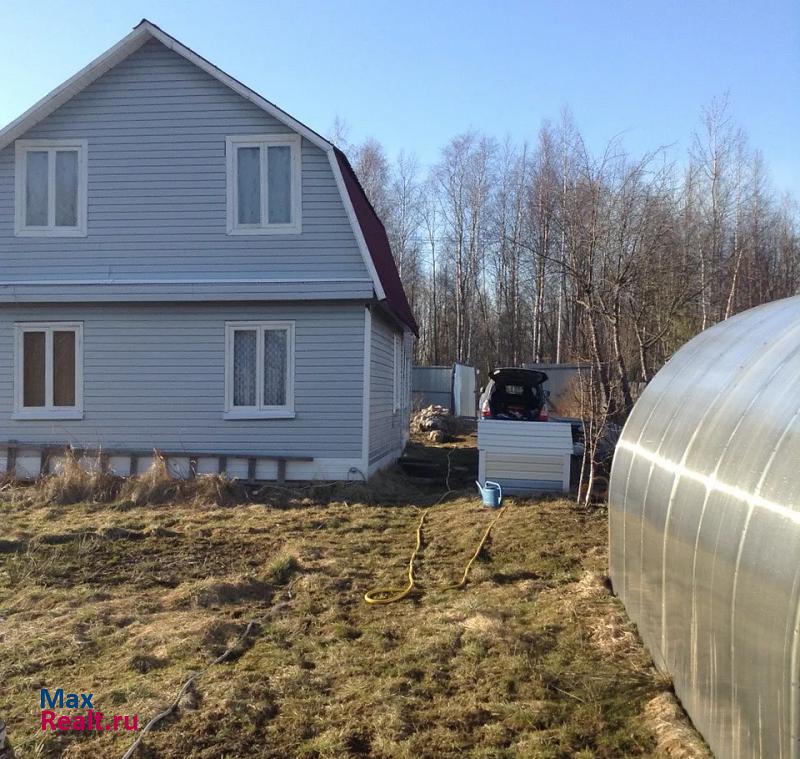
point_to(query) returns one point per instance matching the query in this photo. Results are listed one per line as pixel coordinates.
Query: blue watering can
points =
(491, 492)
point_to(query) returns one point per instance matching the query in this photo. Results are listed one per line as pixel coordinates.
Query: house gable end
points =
(375, 255)
(156, 127)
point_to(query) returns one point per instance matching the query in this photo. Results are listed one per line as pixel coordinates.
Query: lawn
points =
(126, 598)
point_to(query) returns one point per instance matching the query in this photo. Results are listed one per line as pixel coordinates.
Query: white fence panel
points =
(465, 401)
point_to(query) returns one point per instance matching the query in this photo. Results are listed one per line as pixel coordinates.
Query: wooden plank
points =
(566, 473)
(494, 462)
(95, 450)
(503, 435)
(527, 429)
(44, 461)
(525, 444)
(45, 453)
(528, 487)
(543, 474)
(489, 426)
(510, 450)
(527, 458)
(556, 469)
(11, 458)
(523, 428)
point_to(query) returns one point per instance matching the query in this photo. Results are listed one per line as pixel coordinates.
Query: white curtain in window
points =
(36, 189)
(248, 175)
(244, 367)
(279, 185)
(275, 356)
(66, 188)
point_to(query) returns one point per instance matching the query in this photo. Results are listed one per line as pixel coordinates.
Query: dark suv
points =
(516, 395)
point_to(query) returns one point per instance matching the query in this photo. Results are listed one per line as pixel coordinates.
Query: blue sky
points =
(413, 74)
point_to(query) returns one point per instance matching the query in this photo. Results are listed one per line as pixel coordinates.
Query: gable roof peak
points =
(367, 227)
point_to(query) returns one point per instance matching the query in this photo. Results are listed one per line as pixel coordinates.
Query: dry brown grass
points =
(157, 486)
(675, 736)
(74, 484)
(125, 602)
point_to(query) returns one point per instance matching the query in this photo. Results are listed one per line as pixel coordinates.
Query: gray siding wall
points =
(229, 290)
(154, 377)
(156, 128)
(385, 425)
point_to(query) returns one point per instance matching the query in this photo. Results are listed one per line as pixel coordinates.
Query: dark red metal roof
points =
(378, 243)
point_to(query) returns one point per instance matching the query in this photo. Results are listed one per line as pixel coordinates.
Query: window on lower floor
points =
(259, 369)
(48, 361)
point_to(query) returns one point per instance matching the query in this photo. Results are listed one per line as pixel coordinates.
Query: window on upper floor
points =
(264, 194)
(51, 183)
(259, 370)
(48, 370)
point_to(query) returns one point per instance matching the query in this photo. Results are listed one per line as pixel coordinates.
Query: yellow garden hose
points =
(381, 596)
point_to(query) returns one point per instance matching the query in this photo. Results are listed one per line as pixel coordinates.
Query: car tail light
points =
(485, 410)
(544, 416)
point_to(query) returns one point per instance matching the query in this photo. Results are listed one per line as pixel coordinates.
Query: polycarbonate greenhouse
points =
(704, 510)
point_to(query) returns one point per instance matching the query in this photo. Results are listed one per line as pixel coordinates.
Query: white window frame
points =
(263, 141)
(48, 411)
(259, 411)
(22, 148)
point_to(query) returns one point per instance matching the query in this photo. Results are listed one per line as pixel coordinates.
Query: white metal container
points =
(525, 457)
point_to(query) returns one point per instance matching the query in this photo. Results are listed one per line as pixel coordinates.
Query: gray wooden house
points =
(185, 267)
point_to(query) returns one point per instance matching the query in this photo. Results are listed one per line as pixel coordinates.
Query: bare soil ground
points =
(534, 658)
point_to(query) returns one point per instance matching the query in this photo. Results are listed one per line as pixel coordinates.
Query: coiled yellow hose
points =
(382, 596)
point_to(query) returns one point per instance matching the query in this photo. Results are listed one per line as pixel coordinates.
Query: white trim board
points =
(356, 227)
(145, 31)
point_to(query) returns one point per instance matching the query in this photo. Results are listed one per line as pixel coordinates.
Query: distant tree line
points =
(545, 251)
